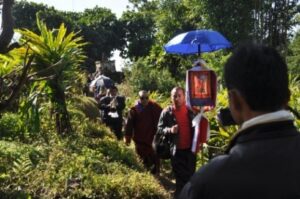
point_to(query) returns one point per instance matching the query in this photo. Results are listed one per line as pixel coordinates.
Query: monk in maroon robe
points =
(141, 127)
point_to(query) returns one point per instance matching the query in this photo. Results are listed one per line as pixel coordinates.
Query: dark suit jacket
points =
(105, 108)
(262, 161)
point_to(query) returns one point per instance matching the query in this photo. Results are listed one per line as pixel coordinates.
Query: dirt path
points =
(166, 177)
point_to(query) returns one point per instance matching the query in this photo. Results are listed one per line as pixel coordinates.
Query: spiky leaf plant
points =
(57, 57)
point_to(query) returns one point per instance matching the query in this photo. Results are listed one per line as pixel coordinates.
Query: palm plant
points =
(57, 54)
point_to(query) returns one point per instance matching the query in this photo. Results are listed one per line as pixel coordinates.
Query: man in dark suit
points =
(111, 108)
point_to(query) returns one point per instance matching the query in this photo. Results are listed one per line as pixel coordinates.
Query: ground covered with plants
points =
(52, 143)
(88, 164)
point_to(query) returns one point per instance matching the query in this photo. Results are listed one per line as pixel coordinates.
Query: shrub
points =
(89, 164)
(143, 76)
(295, 97)
(12, 127)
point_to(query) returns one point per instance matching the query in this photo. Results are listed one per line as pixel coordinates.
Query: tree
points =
(293, 58)
(273, 21)
(232, 18)
(14, 67)
(26, 13)
(263, 21)
(56, 55)
(98, 26)
(172, 18)
(142, 76)
(140, 29)
(103, 32)
(7, 26)
(139, 34)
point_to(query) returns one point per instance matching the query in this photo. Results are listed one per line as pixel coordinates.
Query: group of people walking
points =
(144, 120)
(262, 160)
(147, 118)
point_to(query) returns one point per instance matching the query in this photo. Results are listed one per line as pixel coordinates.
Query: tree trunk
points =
(7, 26)
(58, 99)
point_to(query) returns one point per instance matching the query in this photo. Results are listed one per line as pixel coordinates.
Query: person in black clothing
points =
(111, 108)
(263, 158)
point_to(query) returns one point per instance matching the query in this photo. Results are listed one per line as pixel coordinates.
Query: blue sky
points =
(117, 6)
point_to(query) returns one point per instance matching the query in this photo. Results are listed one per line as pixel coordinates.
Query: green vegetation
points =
(56, 56)
(90, 164)
(52, 144)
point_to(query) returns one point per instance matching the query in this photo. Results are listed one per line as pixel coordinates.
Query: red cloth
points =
(202, 135)
(203, 130)
(184, 127)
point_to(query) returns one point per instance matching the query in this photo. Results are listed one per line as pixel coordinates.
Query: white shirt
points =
(281, 115)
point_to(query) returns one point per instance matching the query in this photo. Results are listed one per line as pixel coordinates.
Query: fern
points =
(22, 166)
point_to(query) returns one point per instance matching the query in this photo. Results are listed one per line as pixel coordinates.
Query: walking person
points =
(141, 126)
(176, 119)
(111, 108)
(263, 158)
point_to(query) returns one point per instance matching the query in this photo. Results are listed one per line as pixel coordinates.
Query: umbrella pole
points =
(199, 51)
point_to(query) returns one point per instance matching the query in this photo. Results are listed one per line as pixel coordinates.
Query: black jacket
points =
(106, 108)
(262, 161)
(167, 120)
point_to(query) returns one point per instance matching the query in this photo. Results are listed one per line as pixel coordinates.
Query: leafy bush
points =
(295, 97)
(216, 61)
(293, 58)
(12, 127)
(143, 76)
(85, 105)
(92, 129)
(219, 136)
(115, 151)
(89, 164)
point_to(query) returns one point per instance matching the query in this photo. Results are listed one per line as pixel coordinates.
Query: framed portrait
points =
(200, 84)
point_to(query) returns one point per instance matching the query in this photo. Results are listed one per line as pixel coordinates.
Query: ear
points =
(238, 106)
(236, 100)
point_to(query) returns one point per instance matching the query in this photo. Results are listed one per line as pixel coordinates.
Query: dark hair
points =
(113, 87)
(260, 74)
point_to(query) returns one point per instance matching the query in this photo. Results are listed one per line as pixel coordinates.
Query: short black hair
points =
(260, 74)
(113, 87)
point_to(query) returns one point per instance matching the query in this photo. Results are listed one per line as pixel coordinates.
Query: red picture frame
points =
(200, 84)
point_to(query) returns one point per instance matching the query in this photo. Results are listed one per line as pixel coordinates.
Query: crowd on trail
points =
(261, 161)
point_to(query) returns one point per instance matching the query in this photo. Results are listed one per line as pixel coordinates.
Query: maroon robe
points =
(141, 126)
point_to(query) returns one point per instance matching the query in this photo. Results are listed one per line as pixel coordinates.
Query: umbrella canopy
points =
(102, 81)
(197, 41)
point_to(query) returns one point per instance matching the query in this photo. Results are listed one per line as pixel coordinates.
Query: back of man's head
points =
(113, 91)
(260, 75)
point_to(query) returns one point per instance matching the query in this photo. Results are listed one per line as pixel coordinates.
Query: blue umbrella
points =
(197, 41)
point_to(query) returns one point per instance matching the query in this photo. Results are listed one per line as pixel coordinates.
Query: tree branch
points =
(16, 90)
